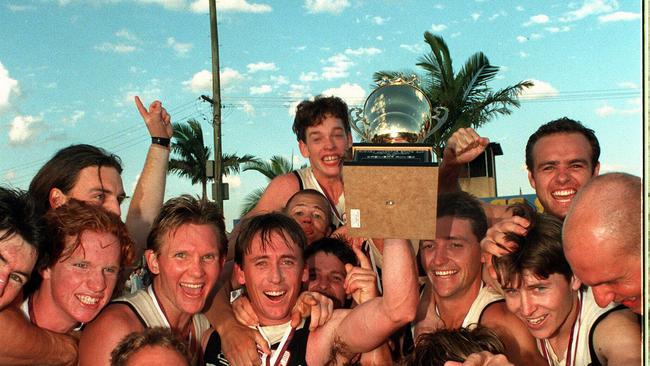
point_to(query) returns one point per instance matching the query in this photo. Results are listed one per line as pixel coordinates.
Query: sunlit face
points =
(327, 276)
(546, 306)
(273, 276)
(453, 260)
(186, 268)
(325, 146)
(613, 276)
(101, 187)
(562, 165)
(312, 213)
(156, 355)
(82, 284)
(17, 259)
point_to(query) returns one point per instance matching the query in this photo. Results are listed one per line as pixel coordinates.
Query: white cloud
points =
(415, 48)
(438, 27)
(181, 49)
(9, 88)
(279, 80)
(371, 51)
(619, 16)
(167, 4)
(248, 108)
(338, 68)
(201, 81)
(455, 34)
(115, 47)
(16, 8)
(564, 28)
(519, 8)
(607, 110)
(297, 92)
(234, 181)
(537, 19)
(126, 34)
(9, 175)
(261, 66)
(75, 117)
(475, 16)
(350, 93)
(523, 54)
(628, 85)
(326, 6)
(241, 6)
(536, 36)
(496, 15)
(522, 39)
(540, 89)
(309, 76)
(262, 89)
(23, 129)
(379, 20)
(379, 38)
(229, 76)
(590, 7)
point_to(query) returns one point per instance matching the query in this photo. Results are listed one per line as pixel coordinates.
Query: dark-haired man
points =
(269, 257)
(452, 262)
(311, 210)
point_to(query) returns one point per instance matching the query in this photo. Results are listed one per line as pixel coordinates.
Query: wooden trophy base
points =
(388, 201)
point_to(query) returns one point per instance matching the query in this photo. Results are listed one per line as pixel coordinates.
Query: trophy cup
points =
(391, 182)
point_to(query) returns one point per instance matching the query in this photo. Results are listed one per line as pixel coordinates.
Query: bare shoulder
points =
(617, 338)
(277, 193)
(322, 341)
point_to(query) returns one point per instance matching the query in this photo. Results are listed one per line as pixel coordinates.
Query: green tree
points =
(471, 102)
(190, 156)
(276, 166)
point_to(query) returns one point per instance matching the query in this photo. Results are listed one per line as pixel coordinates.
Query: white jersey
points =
(486, 296)
(580, 342)
(307, 180)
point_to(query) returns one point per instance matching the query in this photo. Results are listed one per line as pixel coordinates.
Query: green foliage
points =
(471, 102)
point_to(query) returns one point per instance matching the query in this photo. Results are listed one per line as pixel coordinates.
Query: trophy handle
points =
(440, 117)
(356, 116)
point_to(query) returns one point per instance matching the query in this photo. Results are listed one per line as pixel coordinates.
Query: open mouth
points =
(331, 159)
(274, 295)
(88, 300)
(192, 289)
(563, 195)
(445, 273)
(536, 323)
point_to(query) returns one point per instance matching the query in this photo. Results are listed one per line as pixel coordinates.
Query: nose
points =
(322, 283)
(196, 269)
(563, 175)
(527, 307)
(440, 255)
(603, 295)
(275, 274)
(111, 205)
(97, 281)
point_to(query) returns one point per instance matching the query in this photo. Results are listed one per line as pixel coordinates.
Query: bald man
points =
(602, 239)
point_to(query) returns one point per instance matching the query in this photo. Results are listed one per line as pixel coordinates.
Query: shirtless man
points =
(270, 265)
(453, 265)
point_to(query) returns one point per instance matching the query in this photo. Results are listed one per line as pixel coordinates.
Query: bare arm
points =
(461, 148)
(617, 339)
(519, 343)
(378, 318)
(27, 344)
(104, 333)
(150, 191)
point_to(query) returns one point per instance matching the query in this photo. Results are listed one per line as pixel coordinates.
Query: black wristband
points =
(162, 141)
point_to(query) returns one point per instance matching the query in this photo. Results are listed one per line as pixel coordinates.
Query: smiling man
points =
(602, 239)
(453, 265)
(541, 290)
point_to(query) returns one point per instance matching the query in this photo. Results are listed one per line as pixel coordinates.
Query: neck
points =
(560, 340)
(47, 314)
(453, 309)
(332, 186)
(178, 320)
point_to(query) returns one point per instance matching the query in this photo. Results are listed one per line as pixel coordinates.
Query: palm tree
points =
(276, 166)
(191, 156)
(471, 102)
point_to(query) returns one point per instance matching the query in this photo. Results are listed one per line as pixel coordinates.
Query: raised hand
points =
(361, 281)
(319, 307)
(157, 119)
(464, 146)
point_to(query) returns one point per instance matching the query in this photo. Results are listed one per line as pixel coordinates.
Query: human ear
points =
(303, 149)
(239, 274)
(152, 261)
(56, 198)
(575, 283)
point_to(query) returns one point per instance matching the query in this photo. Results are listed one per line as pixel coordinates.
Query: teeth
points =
(274, 293)
(89, 300)
(192, 285)
(564, 193)
(331, 158)
(537, 320)
(445, 273)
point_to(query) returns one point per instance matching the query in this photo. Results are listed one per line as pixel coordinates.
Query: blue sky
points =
(69, 70)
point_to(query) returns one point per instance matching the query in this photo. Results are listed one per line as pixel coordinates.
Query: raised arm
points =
(461, 148)
(380, 317)
(26, 344)
(150, 191)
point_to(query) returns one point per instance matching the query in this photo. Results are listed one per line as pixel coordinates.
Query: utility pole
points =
(216, 108)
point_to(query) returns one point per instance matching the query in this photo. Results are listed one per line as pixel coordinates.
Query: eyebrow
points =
(306, 205)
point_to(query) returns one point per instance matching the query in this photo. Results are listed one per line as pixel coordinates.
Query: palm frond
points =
(250, 201)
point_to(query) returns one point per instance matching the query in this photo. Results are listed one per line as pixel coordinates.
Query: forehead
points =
(455, 227)
(573, 144)
(191, 236)
(327, 123)
(89, 177)
(309, 200)
(326, 262)
(14, 245)
(93, 245)
(275, 244)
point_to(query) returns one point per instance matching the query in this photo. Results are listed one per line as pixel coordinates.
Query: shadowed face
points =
(327, 276)
(17, 259)
(312, 213)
